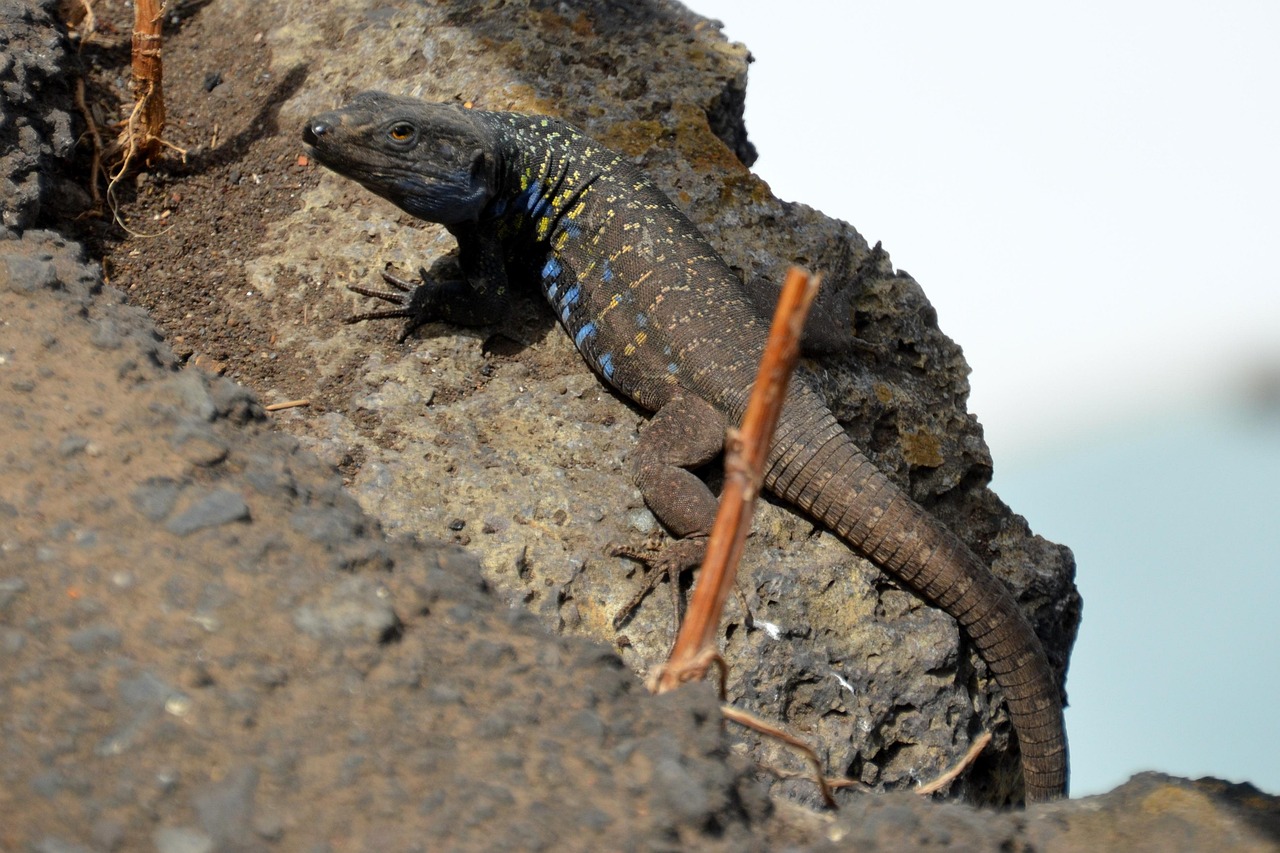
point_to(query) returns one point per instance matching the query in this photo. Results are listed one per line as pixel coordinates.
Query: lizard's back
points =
(645, 298)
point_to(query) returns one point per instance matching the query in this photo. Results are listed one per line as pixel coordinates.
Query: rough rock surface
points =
(207, 644)
(534, 450)
(35, 110)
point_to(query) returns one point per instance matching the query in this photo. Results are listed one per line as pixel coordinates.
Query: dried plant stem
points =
(969, 757)
(753, 722)
(745, 453)
(143, 133)
(95, 167)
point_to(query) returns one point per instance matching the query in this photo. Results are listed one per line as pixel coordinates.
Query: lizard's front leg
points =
(685, 433)
(478, 298)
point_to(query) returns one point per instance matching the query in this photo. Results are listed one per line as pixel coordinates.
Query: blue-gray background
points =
(1090, 195)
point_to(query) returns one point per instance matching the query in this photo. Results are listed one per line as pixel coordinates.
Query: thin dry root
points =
(947, 778)
(134, 140)
(95, 167)
(78, 15)
(751, 721)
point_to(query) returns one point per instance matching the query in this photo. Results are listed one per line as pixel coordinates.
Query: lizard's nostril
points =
(313, 130)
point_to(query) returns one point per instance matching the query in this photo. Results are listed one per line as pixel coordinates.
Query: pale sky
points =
(1089, 194)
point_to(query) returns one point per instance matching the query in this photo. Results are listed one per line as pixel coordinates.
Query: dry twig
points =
(746, 450)
(751, 721)
(141, 135)
(745, 453)
(143, 132)
(287, 404)
(969, 757)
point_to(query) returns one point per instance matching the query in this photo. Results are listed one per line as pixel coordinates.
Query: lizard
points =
(662, 319)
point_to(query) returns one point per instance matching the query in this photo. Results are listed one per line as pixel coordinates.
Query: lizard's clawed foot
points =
(665, 562)
(412, 298)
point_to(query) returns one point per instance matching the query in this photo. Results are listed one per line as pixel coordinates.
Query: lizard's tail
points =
(814, 465)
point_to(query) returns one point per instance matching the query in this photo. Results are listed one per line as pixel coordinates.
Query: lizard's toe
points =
(663, 562)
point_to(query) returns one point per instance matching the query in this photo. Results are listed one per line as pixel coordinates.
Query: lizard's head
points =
(436, 161)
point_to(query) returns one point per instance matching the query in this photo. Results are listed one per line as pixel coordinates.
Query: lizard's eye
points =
(401, 132)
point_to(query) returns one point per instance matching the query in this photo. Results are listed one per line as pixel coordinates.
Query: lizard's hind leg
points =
(686, 433)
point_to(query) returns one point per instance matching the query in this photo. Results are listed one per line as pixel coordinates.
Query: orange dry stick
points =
(147, 78)
(287, 404)
(746, 450)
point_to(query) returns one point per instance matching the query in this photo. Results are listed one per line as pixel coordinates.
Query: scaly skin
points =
(661, 318)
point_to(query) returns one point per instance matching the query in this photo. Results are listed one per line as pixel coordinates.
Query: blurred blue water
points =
(1175, 524)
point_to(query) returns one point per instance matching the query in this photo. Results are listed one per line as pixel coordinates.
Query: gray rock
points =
(355, 611)
(35, 120)
(26, 275)
(326, 525)
(197, 444)
(51, 844)
(156, 497)
(96, 638)
(226, 808)
(182, 839)
(107, 334)
(214, 509)
(10, 588)
(188, 393)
